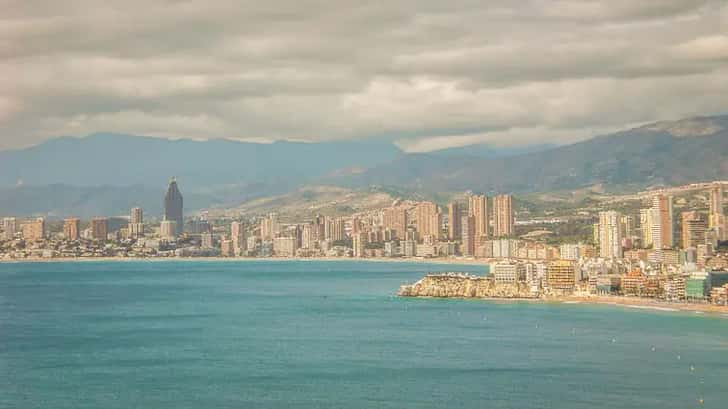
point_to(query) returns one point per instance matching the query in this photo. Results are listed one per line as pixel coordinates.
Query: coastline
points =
(642, 304)
(414, 260)
(631, 303)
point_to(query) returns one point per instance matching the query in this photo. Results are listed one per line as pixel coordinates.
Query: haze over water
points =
(274, 334)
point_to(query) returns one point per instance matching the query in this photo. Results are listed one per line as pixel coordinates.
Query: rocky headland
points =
(459, 285)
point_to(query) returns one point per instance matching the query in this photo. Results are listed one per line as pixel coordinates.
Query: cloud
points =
(423, 73)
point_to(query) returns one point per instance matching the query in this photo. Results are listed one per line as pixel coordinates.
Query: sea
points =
(332, 334)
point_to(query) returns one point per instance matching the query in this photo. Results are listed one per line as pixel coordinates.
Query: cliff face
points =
(463, 286)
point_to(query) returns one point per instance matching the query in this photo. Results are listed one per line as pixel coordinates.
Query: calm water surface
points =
(331, 335)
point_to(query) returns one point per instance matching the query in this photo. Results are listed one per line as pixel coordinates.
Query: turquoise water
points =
(331, 335)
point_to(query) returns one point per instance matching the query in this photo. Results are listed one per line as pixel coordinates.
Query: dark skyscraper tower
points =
(173, 206)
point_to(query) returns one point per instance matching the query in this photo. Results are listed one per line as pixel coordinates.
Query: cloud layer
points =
(424, 73)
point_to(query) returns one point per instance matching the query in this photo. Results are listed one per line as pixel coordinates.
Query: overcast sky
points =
(426, 74)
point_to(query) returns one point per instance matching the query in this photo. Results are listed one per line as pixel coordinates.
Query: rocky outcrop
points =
(458, 285)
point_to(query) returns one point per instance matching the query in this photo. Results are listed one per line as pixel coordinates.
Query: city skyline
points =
(422, 224)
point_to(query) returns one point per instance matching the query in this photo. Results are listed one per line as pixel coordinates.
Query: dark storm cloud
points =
(425, 73)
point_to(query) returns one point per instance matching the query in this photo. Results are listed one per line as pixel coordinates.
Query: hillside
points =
(108, 173)
(664, 153)
(308, 201)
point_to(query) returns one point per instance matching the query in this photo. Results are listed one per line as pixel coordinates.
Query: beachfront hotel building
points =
(561, 275)
(508, 272)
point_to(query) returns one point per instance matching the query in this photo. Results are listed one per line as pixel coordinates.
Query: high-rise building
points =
(34, 230)
(308, 240)
(503, 215)
(173, 206)
(136, 223)
(627, 226)
(10, 227)
(318, 231)
(359, 244)
(716, 217)
(610, 234)
(72, 228)
(478, 208)
(335, 229)
(269, 227)
(137, 215)
(168, 229)
(716, 199)
(99, 228)
(467, 226)
(646, 227)
(662, 232)
(237, 233)
(395, 219)
(226, 248)
(693, 229)
(428, 219)
(356, 226)
(453, 221)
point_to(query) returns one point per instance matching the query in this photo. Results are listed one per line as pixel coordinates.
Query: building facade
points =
(72, 228)
(503, 220)
(174, 206)
(610, 235)
(99, 228)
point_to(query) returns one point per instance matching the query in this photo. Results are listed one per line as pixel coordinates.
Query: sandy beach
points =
(642, 303)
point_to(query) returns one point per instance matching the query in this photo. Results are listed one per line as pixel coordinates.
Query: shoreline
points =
(442, 261)
(643, 304)
(631, 303)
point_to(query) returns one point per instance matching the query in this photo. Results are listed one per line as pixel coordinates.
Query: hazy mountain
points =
(123, 160)
(108, 173)
(670, 152)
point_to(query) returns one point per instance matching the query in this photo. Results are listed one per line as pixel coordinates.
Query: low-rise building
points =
(561, 276)
(508, 272)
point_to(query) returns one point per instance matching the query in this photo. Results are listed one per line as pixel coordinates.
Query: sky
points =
(426, 74)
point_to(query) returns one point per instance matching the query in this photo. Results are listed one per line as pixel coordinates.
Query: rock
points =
(459, 285)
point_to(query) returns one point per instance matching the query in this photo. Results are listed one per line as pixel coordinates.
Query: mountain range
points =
(662, 153)
(108, 173)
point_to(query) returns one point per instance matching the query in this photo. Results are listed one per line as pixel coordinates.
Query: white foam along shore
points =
(647, 307)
